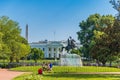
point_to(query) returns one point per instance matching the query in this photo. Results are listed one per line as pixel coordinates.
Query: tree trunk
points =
(98, 63)
(110, 63)
(11, 59)
(104, 63)
(17, 60)
(35, 60)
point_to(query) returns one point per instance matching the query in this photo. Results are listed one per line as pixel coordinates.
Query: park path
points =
(6, 74)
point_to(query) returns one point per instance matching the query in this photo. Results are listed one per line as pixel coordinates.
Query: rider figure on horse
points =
(70, 45)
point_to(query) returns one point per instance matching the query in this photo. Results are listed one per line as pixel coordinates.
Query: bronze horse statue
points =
(71, 44)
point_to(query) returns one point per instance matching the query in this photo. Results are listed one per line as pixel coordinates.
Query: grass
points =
(79, 77)
(64, 76)
(27, 68)
(62, 73)
(64, 69)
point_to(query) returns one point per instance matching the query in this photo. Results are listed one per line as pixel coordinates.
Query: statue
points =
(116, 5)
(70, 45)
(68, 58)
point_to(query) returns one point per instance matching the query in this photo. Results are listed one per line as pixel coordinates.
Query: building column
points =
(52, 52)
(47, 53)
(57, 55)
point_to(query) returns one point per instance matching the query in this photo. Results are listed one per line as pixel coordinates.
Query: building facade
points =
(52, 49)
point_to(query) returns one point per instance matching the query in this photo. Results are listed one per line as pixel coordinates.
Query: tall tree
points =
(87, 28)
(108, 44)
(14, 45)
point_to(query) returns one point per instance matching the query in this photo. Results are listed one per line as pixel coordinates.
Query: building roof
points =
(47, 43)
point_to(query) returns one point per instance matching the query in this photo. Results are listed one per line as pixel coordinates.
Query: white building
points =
(52, 49)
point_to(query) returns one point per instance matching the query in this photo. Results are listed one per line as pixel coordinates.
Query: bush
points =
(3, 65)
(13, 65)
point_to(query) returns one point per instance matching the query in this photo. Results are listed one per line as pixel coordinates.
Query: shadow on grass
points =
(78, 76)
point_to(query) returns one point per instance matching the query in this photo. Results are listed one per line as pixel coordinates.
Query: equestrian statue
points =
(70, 44)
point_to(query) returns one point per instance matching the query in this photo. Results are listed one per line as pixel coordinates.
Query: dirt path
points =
(5, 74)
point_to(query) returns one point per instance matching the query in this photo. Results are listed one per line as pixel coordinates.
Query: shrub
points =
(3, 65)
(13, 65)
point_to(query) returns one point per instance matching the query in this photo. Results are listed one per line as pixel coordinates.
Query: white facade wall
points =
(51, 48)
(45, 45)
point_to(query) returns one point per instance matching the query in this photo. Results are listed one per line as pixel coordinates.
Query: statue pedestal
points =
(70, 60)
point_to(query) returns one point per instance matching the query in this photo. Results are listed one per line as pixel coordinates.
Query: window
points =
(49, 55)
(43, 49)
(49, 49)
(54, 49)
(54, 55)
(59, 55)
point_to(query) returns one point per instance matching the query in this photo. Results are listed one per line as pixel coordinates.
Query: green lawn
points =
(65, 76)
(62, 73)
(59, 69)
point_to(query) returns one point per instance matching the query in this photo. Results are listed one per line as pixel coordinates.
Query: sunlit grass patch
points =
(62, 73)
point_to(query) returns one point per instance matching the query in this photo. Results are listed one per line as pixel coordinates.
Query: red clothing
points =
(40, 71)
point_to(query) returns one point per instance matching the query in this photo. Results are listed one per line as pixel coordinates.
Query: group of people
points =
(47, 66)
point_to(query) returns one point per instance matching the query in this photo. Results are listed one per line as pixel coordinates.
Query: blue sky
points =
(48, 17)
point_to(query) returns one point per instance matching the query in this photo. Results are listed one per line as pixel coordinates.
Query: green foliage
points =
(75, 51)
(12, 43)
(107, 44)
(36, 54)
(90, 28)
(98, 34)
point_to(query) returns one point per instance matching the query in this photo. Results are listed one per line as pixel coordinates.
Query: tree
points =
(108, 44)
(13, 44)
(87, 28)
(36, 54)
(100, 51)
(113, 33)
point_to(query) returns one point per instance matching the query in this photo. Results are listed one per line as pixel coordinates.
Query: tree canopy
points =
(108, 45)
(36, 54)
(100, 37)
(12, 44)
(93, 24)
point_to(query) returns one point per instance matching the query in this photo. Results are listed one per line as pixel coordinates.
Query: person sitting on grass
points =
(44, 66)
(47, 66)
(40, 71)
(50, 66)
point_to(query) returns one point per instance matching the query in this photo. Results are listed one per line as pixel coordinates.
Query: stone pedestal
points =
(70, 60)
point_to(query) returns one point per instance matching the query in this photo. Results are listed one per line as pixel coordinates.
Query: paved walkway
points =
(5, 74)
